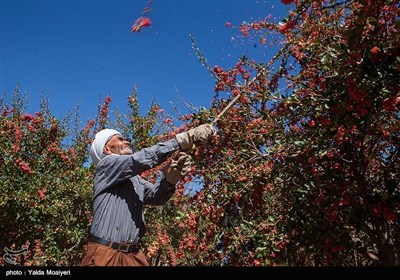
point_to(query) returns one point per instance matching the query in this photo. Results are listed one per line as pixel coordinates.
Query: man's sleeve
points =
(114, 169)
(157, 194)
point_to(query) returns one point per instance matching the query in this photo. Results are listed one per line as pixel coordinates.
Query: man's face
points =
(117, 145)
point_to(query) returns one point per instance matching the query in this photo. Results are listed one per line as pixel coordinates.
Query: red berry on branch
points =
(375, 50)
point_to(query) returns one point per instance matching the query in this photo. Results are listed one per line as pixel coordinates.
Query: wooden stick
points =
(225, 109)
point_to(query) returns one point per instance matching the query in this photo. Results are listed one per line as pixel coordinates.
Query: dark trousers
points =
(101, 255)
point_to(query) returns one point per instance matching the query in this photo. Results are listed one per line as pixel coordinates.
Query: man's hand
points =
(198, 135)
(177, 169)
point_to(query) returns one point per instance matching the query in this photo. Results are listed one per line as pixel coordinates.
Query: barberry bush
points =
(304, 168)
(45, 186)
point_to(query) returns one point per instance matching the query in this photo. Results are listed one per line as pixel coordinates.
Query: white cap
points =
(100, 140)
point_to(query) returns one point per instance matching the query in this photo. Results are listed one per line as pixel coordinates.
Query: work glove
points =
(198, 135)
(177, 169)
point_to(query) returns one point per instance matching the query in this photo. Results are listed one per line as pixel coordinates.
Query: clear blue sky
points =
(80, 50)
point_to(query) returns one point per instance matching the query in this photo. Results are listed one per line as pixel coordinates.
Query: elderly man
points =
(120, 193)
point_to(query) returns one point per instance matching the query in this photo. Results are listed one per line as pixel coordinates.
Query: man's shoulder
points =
(112, 158)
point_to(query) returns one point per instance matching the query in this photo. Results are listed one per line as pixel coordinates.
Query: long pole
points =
(225, 109)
